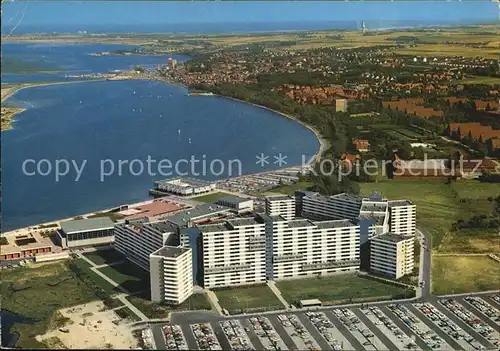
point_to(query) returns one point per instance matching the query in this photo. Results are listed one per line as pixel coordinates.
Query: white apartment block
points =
(281, 205)
(392, 255)
(171, 274)
(403, 215)
(320, 207)
(378, 211)
(234, 252)
(301, 247)
(137, 240)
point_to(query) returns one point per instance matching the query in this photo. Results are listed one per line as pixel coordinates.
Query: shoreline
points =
(322, 145)
(11, 118)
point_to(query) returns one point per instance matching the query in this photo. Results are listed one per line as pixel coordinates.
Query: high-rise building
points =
(280, 205)
(234, 252)
(171, 274)
(340, 105)
(301, 247)
(392, 255)
(320, 207)
(403, 217)
(138, 239)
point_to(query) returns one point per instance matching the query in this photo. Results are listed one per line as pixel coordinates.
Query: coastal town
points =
(387, 238)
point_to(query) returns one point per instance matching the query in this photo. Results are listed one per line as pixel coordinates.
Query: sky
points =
(144, 12)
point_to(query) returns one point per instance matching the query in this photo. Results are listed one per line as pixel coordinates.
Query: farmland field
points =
(460, 274)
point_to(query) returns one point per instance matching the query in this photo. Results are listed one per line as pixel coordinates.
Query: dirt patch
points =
(92, 327)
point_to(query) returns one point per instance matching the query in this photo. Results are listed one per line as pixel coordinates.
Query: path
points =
(272, 285)
(121, 297)
(214, 301)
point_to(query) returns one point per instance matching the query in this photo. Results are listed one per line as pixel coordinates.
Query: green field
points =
(129, 276)
(471, 189)
(101, 257)
(153, 310)
(479, 80)
(126, 313)
(397, 132)
(38, 292)
(340, 289)
(438, 209)
(290, 189)
(210, 198)
(84, 266)
(461, 274)
(248, 299)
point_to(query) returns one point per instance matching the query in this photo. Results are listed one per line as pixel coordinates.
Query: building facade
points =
(392, 255)
(233, 252)
(320, 207)
(403, 217)
(171, 274)
(301, 247)
(137, 240)
(86, 232)
(281, 205)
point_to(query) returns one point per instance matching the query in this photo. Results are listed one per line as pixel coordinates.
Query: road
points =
(424, 238)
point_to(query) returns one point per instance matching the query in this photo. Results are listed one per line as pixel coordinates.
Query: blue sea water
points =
(129, 121)
(72, 59)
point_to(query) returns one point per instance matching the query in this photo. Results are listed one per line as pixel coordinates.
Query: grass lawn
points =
(290, 189)
(130, 276)
(154, 310)
(105, 256)
(472, 189)
(479, 80)
(37, 292)
(438, 208)
(84, 266)
(461, 274)
(248, 298)
(209, 198)
(126, 313)
(340, 289)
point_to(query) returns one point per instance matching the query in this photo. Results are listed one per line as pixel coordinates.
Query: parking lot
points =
(461, 323)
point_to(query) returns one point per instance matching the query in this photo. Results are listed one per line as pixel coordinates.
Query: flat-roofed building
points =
(301, 247)
(24, 246)
(392, 255)
(236, 202)
(280, 205)
(86, 232)
(403, 217)
(139, 239)
(182, 186)
(171, 274)
(320, 207)
(234, 252)
(376, 209)
(201, 213)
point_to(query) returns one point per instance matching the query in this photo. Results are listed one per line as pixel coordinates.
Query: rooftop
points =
(233, 199)
(378, 218)
(391, 238)
(371, 207)
(182, 218)
(183, 182)
(300, 223)
(85, 225)
(161, 226)
(342, 223)
(171, 251)
(278, 198)
(396, 203)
